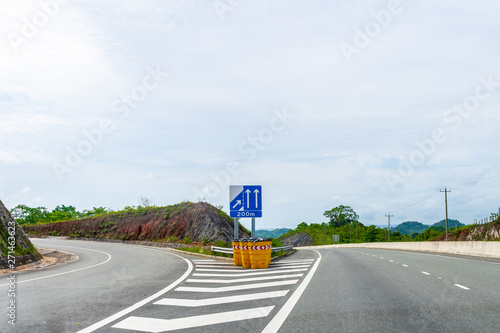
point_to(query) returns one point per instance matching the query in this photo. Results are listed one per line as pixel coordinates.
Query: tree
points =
(63, 213)
(341, 215)
(301, 226)
(371, 234)
(95, 211)
(145, 202)
(28, 215)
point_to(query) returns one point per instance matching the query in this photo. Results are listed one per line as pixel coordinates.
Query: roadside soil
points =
(51, 258)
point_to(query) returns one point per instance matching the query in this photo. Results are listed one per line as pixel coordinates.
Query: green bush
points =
(221, 244)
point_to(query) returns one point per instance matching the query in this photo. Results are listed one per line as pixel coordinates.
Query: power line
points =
(413, 204)
(477, 183)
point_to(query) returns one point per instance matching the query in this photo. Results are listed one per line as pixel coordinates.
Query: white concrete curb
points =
(477, 249)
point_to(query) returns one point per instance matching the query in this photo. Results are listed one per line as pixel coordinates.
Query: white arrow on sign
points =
(238, 202)
(248, 198)
(256, 198)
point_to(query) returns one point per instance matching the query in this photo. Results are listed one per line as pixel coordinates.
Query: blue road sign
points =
(245, 200)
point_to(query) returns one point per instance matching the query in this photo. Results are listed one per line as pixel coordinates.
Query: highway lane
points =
(368, 290)
(127, 288)
(107, 279)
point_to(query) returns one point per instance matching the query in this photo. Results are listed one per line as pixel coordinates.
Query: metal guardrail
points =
(230, 251)
(221, 249)
(283, 248)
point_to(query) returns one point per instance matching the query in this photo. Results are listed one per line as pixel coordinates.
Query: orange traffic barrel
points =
(236, 252)
(260, 253)
(245, 254)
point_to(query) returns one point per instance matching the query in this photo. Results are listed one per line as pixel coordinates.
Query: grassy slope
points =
(198, 222)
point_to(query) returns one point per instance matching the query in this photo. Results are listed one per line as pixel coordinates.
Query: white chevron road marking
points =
(250, 274)
(235, 288)
(220, 300)
(261, 278)
(243, 271)
(155, 325)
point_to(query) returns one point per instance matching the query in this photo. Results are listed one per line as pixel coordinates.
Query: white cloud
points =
(355, 122)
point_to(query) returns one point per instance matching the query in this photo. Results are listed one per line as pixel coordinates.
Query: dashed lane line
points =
(460, 286)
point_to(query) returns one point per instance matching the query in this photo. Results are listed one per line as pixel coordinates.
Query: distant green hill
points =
(451, 224)
(271, 233)
(410, 227)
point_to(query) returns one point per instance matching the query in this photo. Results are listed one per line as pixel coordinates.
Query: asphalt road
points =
(367, 290)
(107, 278)
(125, 288)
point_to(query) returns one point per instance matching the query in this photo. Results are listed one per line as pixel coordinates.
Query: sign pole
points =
(253, 227)
(236, 227)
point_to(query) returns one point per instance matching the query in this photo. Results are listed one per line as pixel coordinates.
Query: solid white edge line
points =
(68, 272)
(278, 320)
(137, 305)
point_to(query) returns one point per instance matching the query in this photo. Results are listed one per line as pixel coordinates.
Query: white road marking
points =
(425, 273)
(391, 260)
(261, 278)
(214, 263)
(218, 266)
(221, 300)
(294, 261)
(278, 320)
(145, 301)
(446, 256)
(405, 265)
(460, 286)
(243, 271)
(68, 272)
(285, 264)
(155, 325)
(265, 272)
(235, 288)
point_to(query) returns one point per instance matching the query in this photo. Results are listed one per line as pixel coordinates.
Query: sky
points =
(376, 105)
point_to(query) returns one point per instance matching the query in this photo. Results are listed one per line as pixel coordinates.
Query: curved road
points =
(108, 278)
(127, 288)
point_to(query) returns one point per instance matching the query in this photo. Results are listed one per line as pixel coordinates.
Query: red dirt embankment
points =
(198, 221)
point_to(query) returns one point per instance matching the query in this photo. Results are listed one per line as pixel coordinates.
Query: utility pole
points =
(389, 226)
(446, 207)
